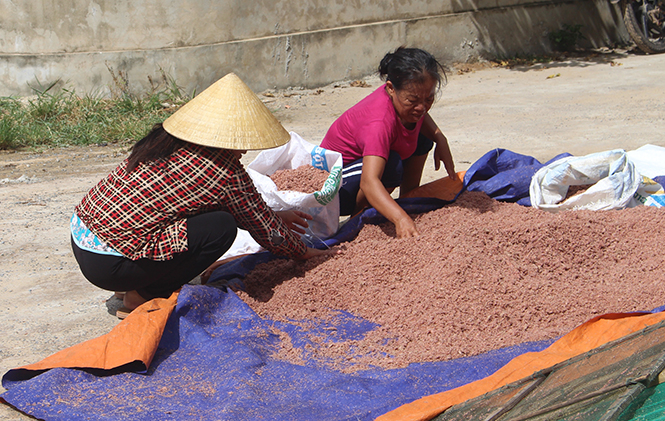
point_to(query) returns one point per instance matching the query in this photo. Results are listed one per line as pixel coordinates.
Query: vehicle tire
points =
(635, 24)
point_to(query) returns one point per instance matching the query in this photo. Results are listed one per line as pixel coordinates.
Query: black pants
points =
(209, 236)
(392, 175)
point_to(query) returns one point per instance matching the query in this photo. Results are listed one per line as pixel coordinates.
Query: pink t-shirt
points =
(371, 127)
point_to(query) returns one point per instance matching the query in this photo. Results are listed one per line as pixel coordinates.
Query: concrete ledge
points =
(476, 30)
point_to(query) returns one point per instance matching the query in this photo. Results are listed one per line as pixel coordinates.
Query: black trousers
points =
(392, 175)
(209, 236)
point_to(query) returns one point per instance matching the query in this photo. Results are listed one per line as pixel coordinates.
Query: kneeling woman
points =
(385, 138)
(172, 208)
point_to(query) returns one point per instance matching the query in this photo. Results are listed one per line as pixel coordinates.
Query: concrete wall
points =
(268, 43)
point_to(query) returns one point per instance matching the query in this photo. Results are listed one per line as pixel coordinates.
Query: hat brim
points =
(227, 115)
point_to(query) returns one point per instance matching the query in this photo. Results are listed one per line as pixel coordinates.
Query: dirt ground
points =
(601, 102)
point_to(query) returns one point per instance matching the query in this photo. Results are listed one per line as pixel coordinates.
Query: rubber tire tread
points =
(634, 30)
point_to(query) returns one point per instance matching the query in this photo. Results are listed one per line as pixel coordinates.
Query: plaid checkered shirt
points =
(143, 214)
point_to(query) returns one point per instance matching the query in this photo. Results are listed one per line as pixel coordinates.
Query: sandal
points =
(122, 312)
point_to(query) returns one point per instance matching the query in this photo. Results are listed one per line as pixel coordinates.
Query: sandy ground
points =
(612, 100)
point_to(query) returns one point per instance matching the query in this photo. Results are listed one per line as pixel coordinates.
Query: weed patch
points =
(60, 117)
(566, 38)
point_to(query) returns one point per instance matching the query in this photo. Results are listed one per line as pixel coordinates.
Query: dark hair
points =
(155, 145)
(411, 65)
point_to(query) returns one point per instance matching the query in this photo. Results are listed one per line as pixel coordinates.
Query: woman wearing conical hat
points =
(172, 208)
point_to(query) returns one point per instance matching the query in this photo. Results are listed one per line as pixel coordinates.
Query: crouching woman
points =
(172, 208)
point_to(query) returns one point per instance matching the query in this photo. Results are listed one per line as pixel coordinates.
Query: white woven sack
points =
(323, 204)
(612, 176)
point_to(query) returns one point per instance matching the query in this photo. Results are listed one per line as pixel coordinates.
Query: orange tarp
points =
(443, 188)
(134, 339)
(592, 334)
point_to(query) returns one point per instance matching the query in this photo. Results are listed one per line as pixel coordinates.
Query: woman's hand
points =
(380, 199)
(405, 228)
(442, 154)
(295, 220)
(442, 150)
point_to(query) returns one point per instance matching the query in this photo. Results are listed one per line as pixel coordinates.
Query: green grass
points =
(566, 38)
(59, 117)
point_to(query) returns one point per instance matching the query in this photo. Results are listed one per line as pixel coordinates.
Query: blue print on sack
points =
(319, 159)
(657, 200)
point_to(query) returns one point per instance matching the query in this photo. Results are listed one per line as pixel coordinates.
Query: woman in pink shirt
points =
(386, 137)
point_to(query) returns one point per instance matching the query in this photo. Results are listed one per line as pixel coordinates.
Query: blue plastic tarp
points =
(216, 357)
(504, 175)
(214, 362)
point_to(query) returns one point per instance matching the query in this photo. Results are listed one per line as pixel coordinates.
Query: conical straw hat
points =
(227, 115)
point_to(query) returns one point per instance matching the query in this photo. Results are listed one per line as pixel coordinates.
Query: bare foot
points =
(132, 299)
